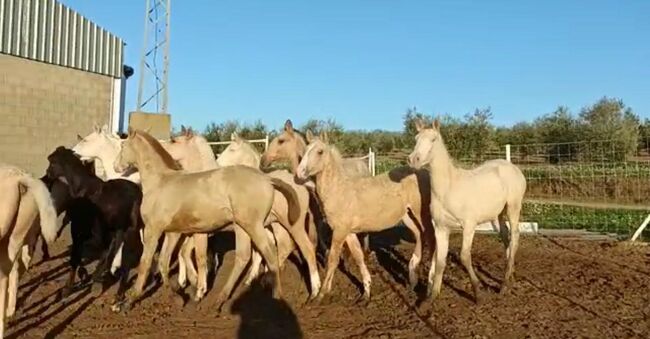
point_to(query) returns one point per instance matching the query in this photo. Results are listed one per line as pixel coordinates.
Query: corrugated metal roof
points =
(48, 31)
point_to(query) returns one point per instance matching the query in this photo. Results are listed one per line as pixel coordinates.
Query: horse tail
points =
(291, 196)
(10, 204)
(47, 213)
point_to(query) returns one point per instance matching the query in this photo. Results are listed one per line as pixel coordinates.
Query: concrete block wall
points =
(43, 106)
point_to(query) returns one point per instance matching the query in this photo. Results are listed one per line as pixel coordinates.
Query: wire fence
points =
(598, 186)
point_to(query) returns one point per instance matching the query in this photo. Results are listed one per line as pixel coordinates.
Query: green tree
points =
(560, 130)
(612, 128)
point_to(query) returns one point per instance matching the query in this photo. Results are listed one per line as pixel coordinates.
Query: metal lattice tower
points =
(154, 61)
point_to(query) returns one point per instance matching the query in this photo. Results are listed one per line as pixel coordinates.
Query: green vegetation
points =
(620, 221)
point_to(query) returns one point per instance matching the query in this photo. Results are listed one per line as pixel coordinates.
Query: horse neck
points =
(301, 148)
(443, 170)
(329, 182)
(107, 157)
(150, 165)
(206, 155)
(82, 179)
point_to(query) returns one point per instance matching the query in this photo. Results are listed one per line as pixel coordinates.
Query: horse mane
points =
(205, 151)
(335, 155)
(302, 138)
(158, 149)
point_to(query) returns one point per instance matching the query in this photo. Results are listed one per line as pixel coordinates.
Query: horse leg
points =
(439, 260)
(269, 252)
(3, 302)
(46, 251)
(117, 260)
(242, 256)
(357, 254)
(171, 239)
(466, 257)
(256, 257)
(254, 271)
(338, 237)
(117, 242)
(151, 236)
(185, 262)
(13, 288)
(201, 252)
(513, 217)
(308, 251)
(417, 252)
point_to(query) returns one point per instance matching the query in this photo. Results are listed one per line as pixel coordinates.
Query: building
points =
(59, 75)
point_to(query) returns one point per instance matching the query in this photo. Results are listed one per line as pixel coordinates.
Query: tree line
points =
(610, 128)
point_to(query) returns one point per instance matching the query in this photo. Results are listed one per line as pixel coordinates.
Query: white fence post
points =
(508, 153)
(266, 142)
(641, 228)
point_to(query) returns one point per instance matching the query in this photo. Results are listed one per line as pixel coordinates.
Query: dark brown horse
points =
(104, 212)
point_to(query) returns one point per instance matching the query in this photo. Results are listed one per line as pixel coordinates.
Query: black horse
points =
(101, 212)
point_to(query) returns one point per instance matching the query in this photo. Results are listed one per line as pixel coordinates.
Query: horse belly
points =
(477, 201)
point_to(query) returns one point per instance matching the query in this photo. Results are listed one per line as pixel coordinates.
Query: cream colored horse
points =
(355, 205)
(241, 152)
(193, 152)
(26, 202)
(467, 198)
(180, 202)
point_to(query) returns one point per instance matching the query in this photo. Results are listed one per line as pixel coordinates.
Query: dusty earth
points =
(564, 289)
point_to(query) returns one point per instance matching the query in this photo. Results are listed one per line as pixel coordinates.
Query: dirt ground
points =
(564, 289)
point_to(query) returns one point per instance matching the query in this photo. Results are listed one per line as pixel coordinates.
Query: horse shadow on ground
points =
(262, 316)
(45, 313)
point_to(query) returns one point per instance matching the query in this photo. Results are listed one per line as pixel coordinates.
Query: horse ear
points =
(130, 132)
(79, 137)
(183, 130)
(96, 128)
(233, 136)
(418, 125)
(288, 126)
(436, 124)
(104, 129)
(310, 136)
(189, 133)
(324, 137)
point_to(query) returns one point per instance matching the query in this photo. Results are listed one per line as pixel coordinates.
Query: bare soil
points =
(564, 289)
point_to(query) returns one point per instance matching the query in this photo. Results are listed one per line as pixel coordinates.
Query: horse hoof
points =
(175, 286)
(82, 274)
(179, 300)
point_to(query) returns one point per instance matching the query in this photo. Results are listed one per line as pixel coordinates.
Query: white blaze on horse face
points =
(422, 153)
(303, 168)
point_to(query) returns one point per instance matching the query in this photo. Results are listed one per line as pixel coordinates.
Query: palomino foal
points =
(354, 205)
(467, 198)
(241, 152)
(25, 202)
(181, 202)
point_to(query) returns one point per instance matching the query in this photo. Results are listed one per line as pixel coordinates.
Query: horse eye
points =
(320, 152)
(280, 141)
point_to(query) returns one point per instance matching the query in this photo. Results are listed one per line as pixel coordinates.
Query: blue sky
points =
(364, 62)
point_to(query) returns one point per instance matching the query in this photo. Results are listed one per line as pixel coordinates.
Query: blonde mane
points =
(158, 149)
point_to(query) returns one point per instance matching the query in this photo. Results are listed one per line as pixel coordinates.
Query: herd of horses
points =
(176, 190)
